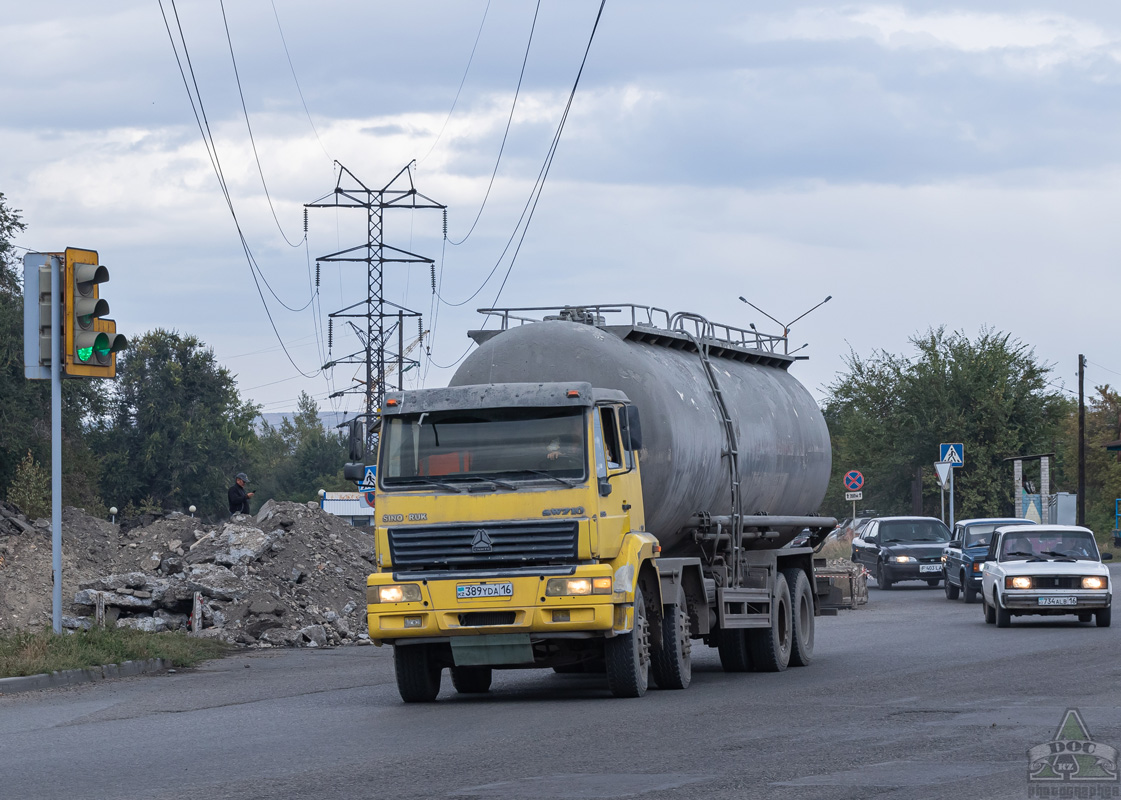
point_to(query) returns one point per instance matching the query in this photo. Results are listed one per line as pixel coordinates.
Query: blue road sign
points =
(853, 480)
(369, 481)
(952, 453)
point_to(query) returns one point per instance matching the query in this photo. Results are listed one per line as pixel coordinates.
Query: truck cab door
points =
(616, 476)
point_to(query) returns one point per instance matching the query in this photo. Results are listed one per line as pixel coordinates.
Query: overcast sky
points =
(924, 164)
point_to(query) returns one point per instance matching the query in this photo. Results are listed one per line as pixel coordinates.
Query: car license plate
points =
(930, 567)
(1058, 601)
(470, 591)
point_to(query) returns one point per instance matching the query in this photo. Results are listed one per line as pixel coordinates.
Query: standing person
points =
(239, 498)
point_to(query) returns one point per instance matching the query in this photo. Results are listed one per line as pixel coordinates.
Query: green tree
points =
(177, 431)
(299, 457)
(25, 406)
(1103, 467)
(30, 490)
(888, 413)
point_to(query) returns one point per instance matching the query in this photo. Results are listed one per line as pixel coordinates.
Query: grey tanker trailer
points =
(597, 489)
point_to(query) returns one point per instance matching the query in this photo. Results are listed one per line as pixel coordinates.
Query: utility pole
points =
(376, 355)
(1081, 501)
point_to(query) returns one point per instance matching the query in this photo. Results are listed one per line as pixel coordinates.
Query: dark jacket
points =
(239, 500)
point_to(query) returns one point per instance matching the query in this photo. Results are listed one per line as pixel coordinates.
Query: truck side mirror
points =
(354, 471)
(632, 428)
(356, 439)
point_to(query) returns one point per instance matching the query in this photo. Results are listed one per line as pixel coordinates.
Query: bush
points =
(30, 490)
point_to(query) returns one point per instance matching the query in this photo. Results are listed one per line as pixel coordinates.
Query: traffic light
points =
(90, 341)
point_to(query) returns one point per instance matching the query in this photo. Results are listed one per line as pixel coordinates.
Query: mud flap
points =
(489, 649)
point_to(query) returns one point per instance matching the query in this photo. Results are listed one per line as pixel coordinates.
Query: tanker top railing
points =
(649, 317)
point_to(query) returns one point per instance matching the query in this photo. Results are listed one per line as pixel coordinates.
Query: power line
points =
(535, 192)
(506, 133)
(252, 140)
(297, 80)
(461, 82)
(212, 153)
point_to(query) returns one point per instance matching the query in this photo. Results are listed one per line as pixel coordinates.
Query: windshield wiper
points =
(428, 481)
(928, 540)
(492, 481)
(896, 540)
(543, 473)
(1059, 556)
(1030, 556)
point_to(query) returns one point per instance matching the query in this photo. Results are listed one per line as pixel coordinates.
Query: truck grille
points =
(485, 545)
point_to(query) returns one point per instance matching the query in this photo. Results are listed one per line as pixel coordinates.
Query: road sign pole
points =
(943, 504)
(951, 498)
(56, 450)
(854, 509)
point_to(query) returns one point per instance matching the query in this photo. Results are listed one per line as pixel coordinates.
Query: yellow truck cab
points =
(510, 531)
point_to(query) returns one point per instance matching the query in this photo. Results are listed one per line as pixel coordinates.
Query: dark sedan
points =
(902, 549)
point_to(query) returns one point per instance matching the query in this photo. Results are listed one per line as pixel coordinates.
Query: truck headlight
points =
(1018, 582)
(565, 587)
(1094, 582)
(393, 593)
(904, 559)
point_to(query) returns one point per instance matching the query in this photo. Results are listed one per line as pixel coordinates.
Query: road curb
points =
(72, 677)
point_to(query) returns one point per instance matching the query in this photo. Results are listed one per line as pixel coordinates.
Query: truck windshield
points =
(505, 444)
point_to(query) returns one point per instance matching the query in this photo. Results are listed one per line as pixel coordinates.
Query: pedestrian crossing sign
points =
(953, 454)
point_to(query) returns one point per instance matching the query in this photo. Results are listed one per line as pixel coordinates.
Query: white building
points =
(351, 506)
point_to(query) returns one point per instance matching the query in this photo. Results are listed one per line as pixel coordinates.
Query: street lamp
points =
(785, 327)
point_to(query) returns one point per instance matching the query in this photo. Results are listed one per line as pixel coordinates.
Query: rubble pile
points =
(293, 575)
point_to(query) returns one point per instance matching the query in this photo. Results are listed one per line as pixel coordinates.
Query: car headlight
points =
(904, 559)
(393, 593)
(1094, 582)
(1018, 582)
(565, 587)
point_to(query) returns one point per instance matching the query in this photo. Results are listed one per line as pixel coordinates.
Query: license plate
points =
(1058, 601)
(930, 567)
(470, 591)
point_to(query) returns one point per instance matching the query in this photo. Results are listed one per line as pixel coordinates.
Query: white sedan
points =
(1045, 570)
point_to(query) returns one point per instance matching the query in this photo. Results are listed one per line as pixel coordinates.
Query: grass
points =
(31, 653)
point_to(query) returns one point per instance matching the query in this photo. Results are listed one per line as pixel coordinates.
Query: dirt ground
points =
(293, 575)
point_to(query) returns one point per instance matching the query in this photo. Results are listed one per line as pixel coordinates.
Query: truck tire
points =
(672, 663)
(801, 618)
(471, 680)
(969, 594)
(881, 577)
(1103, 616)
(418, 673)
(770, 647)
(628, 655)
(951, 590)
(735, 655)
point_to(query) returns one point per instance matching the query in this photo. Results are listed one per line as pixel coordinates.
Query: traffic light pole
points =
(56, 449)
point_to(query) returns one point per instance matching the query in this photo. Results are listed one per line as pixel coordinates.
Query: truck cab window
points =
(611, 442)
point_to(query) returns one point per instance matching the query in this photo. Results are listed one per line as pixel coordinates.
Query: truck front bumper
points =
(440, 613)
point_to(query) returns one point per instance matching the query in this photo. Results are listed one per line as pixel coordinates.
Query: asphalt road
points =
(912, 696)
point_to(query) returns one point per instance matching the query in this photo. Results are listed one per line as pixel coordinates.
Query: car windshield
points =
(1049, 545)
(452, 449)
(918, 530)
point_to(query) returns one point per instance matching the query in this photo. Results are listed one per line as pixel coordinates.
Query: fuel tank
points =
(782, 441)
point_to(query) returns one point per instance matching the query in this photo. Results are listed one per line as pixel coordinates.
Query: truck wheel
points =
(1003, 615)
(471, 680)
(969, 594)
(672, 663)
(1103, 617)
(770, 648)
(628, 655)
(881, 577)
(735, 655)
(418, 673)
(951, 590)
(801, 618)
(990, 615)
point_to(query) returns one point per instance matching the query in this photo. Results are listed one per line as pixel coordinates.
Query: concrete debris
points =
(292, 576)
